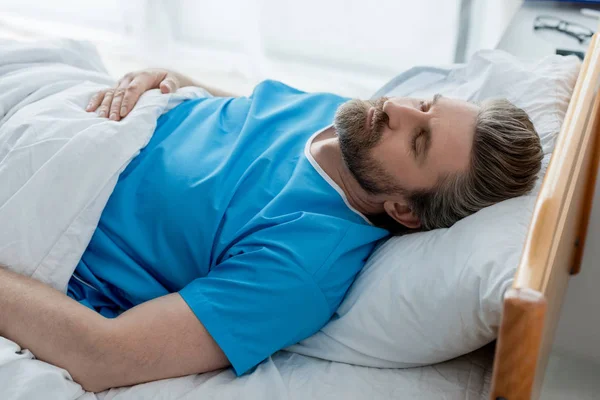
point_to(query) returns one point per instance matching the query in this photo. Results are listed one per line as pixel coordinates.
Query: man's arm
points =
(184, 81)
(159, 339)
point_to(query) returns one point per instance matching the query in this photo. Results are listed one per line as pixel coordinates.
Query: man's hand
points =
(117, 102)
(159, 339)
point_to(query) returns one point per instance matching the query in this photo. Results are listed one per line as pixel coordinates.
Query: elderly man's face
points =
(405, 143)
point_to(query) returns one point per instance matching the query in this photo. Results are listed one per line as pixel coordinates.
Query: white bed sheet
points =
(284, 376)
(289, 376)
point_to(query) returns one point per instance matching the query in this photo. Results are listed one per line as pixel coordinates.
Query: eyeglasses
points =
(579, 32)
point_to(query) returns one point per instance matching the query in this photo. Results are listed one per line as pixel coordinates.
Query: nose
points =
(400, 113)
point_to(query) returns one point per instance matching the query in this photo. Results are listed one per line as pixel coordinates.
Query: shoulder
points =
(325, 250)
(314, 241)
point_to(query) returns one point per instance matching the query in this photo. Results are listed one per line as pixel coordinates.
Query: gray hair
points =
(505, 160)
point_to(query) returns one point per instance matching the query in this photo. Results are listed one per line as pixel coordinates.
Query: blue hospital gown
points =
(226, 206)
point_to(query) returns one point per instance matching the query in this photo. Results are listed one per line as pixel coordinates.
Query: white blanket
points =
(58, 166)
(58, 163)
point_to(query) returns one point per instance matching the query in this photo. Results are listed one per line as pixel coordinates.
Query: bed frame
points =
(554, 244)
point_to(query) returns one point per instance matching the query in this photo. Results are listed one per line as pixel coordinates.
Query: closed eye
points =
(414, 141)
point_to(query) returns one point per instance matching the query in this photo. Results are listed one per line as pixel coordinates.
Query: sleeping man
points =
(238, 229)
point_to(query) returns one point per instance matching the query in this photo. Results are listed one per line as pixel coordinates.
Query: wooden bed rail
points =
(554, 244)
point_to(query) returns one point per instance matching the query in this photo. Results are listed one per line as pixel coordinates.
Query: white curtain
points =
(350, 47)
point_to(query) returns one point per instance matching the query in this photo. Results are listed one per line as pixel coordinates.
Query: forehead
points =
(452, 127)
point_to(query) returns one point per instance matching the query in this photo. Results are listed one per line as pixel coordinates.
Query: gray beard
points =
(356, 142)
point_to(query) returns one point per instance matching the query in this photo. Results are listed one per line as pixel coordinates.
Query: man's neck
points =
(326, 151)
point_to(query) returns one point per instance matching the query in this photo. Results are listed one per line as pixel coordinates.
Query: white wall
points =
(489, 19)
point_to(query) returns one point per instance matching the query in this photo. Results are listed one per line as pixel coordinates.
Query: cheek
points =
(395, 159)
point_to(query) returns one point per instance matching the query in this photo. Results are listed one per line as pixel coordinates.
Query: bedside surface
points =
(522, 41)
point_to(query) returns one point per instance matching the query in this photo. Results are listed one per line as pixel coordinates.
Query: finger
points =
(132, 94)
(169, 85)
(105, 106)
(95, 101)
(165, 87)
(115, 108)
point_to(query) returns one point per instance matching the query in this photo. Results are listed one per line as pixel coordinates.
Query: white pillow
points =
(431, 296)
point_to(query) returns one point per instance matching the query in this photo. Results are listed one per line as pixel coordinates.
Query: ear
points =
(402, 214)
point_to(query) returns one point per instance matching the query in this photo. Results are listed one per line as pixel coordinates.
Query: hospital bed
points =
(554, 246)
(552, 252)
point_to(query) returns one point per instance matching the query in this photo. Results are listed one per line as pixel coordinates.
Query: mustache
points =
(380, 118)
